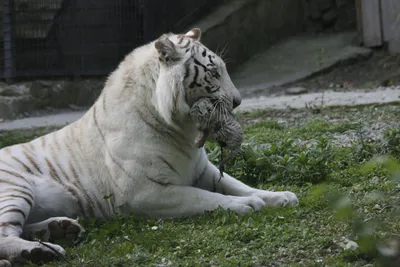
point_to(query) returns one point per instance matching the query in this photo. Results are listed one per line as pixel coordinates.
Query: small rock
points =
(377, 207)
(348, 244)
(14, 90)
(40, 89)
(295, 90)
(374, 180)
(46, 83)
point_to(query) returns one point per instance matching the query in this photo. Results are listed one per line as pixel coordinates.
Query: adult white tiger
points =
(136, 143)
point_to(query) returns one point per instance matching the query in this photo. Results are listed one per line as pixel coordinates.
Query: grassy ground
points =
(327, 157)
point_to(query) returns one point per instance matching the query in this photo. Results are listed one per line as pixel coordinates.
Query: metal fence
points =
(81, 38)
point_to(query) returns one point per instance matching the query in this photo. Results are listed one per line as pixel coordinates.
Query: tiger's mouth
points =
(216, 122)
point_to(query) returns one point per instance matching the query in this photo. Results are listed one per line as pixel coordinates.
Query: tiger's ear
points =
(194, 33)
(166, 50)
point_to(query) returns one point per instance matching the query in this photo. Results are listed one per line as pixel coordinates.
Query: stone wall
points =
(329, 15)
(21, 99)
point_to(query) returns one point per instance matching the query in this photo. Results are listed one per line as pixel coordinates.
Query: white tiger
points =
(135, 145)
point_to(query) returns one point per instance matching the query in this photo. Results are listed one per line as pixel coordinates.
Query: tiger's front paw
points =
(275, 199)
(15, 250)
(55, 229)
(243, 205)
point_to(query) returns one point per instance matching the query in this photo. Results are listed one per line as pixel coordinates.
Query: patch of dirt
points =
(381, 69)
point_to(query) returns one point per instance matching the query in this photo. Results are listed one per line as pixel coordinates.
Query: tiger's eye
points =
(214, 73)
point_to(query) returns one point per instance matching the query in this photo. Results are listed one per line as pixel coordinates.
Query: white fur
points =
(168, 82)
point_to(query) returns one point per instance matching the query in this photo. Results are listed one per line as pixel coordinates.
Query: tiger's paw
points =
(276, 199)
(55, 229)
(18, 251)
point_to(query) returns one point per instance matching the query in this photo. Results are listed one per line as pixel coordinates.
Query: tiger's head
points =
(190, 71)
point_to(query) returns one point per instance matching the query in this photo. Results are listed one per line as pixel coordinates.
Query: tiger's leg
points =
(157, 200)
(227, 185)
(52, 229)
(16, 203)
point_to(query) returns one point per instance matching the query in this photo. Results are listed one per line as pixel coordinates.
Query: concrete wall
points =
(248, 27)
(251, 26)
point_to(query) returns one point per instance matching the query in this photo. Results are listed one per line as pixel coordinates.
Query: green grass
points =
(344, 191)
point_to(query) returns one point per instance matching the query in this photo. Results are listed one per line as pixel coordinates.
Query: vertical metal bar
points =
(148, 20)
(7, 39)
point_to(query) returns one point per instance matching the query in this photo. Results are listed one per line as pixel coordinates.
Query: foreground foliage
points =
(342, 168)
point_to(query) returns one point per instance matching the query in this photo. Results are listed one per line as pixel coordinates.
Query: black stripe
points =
(214, 188)
(199, 63)
(13, 184)
(32, 162)
(23, 164)
(13, 173)
(73, 189)
(16, 196)
(8, 206)
(187, 72)
(15, 210)
(111, 156)
(31, 146)
(53, 171)
(43, 142)
(7, 164)
(12, 223)
(204, 54)
(169, 164)
(212, 91)
(79, 186)
(163, 133)
(209, 57)
(18, 190)
(196, 74)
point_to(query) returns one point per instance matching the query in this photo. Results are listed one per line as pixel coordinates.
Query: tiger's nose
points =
(236, 102)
